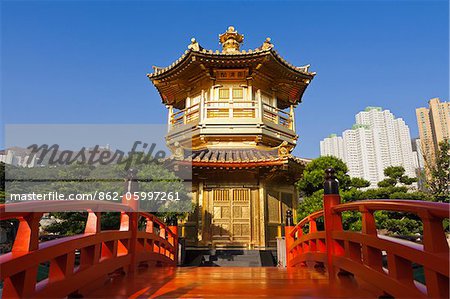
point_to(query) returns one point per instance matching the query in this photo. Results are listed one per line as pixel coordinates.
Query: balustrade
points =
(235, 109)
(185, 116)
(101, 252)
(277, 116)
(361, 253)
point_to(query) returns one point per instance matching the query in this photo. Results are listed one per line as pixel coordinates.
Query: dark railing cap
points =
(331, 184)
(172, 220)
(131, 181)
(289, 218)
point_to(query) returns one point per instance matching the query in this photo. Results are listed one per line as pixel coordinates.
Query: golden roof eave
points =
(216, 55)
(291, 81)
(238, 158)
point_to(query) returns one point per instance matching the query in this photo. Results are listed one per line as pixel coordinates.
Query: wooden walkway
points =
(224, 282)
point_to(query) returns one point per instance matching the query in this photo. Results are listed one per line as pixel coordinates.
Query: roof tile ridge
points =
(159, 70)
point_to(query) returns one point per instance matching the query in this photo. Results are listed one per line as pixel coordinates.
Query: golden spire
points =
(231, 40)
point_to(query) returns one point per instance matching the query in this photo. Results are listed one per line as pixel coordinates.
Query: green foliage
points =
(395, 172)
(395, 176)
(405, 180)
(393, 187)
(351, 220)
(83, 179)
(359, 183)
(351, 195)
(310, 204)
(67, 223)
(153, 178)
(383, 193)
(446, 224)
(395, 223)
(403, 227)
(387, 182)
(313, 174)
(418, 195)
(110, 221)
(311, 185)
(438, 183)
(28, 180)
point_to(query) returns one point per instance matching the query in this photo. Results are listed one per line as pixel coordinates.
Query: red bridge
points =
(136, 262)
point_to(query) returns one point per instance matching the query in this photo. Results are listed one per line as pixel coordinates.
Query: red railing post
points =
(332, 221)
(131, 219)
(23, 283)
(93, 223)
(101, 252)
(27, 237)
(289, 239)
(371, 256)
(434, 241)
(172, 222)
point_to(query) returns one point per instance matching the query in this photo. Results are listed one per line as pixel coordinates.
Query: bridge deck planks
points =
(227, 282)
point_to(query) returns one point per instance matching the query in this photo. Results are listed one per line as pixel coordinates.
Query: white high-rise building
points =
(17, 157)
(359, 154)
(333, 145)
(392, 139)
(377, 140)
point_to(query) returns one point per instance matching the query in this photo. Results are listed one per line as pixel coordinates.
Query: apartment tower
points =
(377, 140)
(434, 127)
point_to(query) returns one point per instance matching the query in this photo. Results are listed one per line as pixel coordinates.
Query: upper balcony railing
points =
(185, 116)
(230, 109)
(235, 110)
(277, 116)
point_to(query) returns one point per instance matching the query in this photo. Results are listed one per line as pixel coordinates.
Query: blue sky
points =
(86, 61)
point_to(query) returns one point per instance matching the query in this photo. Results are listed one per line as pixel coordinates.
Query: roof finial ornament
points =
(178, 152)
(194, 46)
(267, 44)
(231, 40)
(284, 149)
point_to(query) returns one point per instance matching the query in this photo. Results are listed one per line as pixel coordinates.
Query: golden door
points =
(231, 215)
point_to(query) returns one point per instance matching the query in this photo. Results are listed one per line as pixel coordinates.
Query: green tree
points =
(359, 183)
(78, 179)
(67, 223)
(438, 182)
(311, 184)
(313, 175)
(395, 176)
(395, 187)
(310, 204)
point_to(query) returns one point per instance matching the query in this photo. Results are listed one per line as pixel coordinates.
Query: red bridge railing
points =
(101, 252)
(361, 253)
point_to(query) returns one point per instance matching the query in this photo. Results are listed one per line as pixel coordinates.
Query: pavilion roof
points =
(264, 63)
(238, 158)
(196, 50)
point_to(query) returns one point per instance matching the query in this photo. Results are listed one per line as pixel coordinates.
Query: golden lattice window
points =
(221, 194)
(238, 93)
(242, 195)
(224, 93)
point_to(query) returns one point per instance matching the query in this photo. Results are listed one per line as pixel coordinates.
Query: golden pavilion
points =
(231, 118)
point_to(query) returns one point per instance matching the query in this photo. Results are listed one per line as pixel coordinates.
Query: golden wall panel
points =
(273, 207)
